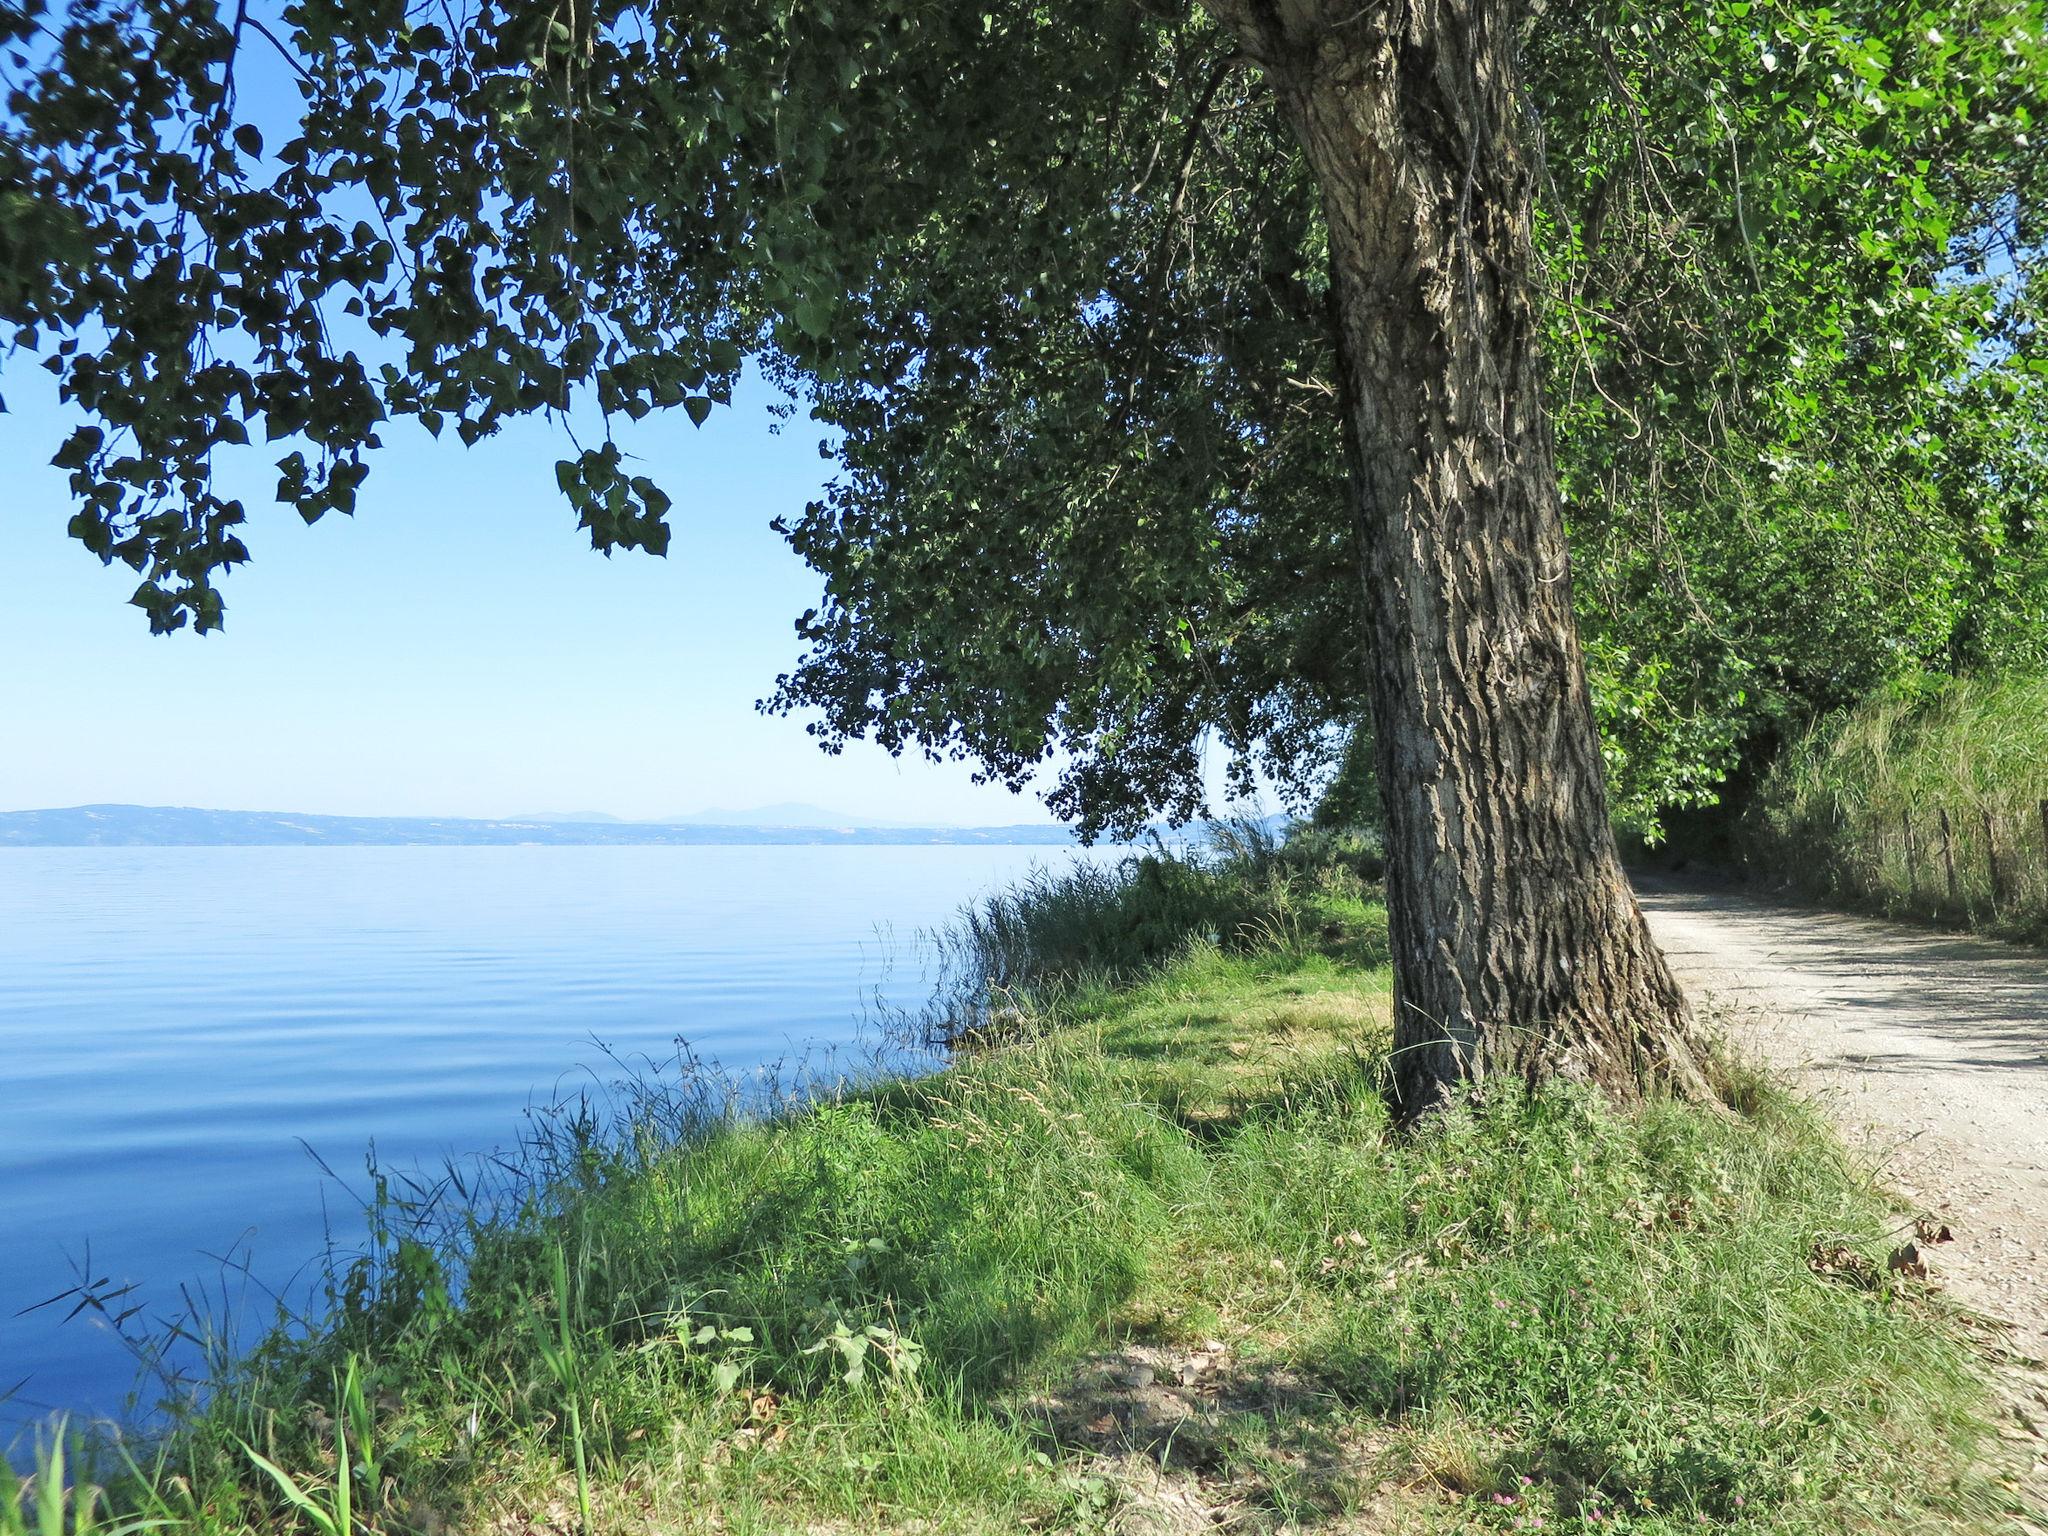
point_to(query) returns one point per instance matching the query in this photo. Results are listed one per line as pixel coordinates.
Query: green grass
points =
(1103, 924)
(964, 1303)
(1853, 809)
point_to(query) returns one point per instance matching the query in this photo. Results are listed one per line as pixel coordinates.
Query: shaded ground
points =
(1167, 1427)
(1930, 1049)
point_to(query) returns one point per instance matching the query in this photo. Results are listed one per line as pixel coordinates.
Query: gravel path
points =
(1931, 1052)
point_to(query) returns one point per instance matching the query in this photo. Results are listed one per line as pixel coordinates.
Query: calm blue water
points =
(173, 1021)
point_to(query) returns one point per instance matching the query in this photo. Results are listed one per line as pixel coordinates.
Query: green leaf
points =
(300, 1499)
(79, 448)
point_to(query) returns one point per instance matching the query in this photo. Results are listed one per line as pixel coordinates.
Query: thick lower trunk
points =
(1519, 949)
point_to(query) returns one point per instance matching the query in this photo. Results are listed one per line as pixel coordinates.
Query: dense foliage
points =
(1797, 380)
(1932, 802)
(1054, 285)
(1240, 888)
(1800, 377)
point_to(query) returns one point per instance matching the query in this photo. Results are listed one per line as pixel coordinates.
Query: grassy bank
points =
(1931, 806)
(1146, 1256)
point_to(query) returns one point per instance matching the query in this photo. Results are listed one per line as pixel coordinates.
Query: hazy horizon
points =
(778, 815)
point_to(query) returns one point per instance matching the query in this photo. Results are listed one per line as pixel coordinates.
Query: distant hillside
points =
(785, 814)
(178, 826)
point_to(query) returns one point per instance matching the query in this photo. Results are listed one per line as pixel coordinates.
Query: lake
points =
(175, 1022)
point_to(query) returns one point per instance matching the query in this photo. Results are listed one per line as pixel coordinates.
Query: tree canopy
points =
(1055, 284)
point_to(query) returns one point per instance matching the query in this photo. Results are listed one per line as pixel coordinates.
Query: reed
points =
(1932, 803)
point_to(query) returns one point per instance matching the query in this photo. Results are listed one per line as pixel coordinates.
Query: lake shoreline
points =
(178, 1026)
(155, 826)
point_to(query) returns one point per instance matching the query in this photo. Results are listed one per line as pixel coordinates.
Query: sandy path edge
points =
(1930, 1052)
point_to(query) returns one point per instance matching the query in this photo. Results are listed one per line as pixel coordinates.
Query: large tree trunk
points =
(1519, 949)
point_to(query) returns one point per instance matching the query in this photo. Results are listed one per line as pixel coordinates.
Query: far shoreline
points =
(130, 826)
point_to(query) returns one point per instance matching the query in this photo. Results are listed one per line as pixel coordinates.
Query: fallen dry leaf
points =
(1838, 1261)
(1906, 1261)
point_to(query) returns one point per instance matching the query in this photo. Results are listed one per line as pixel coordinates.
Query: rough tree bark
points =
(1519, 949)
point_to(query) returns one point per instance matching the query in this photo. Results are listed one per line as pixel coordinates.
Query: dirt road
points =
(1931, 1051)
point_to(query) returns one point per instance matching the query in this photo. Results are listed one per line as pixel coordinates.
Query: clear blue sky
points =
(454, 649)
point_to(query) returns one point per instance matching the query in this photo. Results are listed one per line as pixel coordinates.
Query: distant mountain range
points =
(788, 813)
(179, 826)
